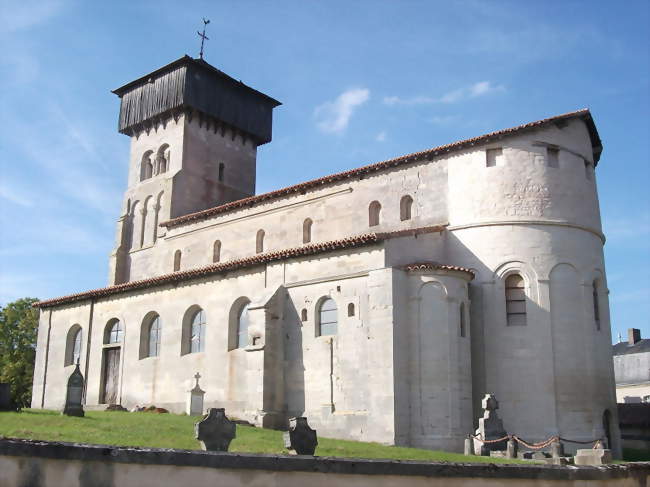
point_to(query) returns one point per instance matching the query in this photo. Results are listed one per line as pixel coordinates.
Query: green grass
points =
(177, 431)
(634, 455)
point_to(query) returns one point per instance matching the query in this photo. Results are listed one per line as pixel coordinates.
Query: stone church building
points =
(382, 302)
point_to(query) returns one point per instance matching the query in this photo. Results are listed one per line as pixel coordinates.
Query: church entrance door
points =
(111, 375)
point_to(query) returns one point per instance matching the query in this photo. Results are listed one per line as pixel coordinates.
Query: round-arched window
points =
(116, 333)
(154, 337)
(197, 332)
(328, 317)
(242, 327)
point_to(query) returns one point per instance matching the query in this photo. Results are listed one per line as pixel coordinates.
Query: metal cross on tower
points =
(203, 36)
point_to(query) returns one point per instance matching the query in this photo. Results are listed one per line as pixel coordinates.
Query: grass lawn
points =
(177, 431)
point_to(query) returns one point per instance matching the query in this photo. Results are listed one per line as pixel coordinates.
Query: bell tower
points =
(194, 135)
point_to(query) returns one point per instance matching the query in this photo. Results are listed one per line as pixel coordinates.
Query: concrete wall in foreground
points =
(44, 464)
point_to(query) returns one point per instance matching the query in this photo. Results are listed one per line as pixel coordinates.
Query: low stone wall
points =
(26, 463)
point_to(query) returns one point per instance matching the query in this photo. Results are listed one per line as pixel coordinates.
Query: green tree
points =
(18, 330)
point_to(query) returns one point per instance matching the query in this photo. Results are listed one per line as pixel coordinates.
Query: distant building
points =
(632, 368)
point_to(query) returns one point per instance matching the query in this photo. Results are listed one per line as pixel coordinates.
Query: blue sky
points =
(360, 82)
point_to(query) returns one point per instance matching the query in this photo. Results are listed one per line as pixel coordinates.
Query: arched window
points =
(405, 205)
(177, 260)
(259, 242)
(350, 309)
(150, 336)
(242, 327)
(197, 332)
(596, 304)
(462, 321)
(162, 159)
(114, 332)
(515, 300)
(146, 166)
(373, 213)
(73, 345)
(222, 167)
(303, 314)
(327, 317)
(216, 251)
(306, 230)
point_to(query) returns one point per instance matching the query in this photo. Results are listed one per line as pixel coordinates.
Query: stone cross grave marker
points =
(215, 431)
(74, 394)
(300, 439)
(195, 402)
(490, 427)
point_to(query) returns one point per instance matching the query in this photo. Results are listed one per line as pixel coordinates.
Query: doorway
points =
(111, 376)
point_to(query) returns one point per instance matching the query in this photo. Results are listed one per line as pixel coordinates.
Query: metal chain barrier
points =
(542, 444)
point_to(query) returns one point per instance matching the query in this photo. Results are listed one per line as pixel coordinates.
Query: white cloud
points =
(481, 88)
(444, 120)
(381, 136)
(334, 116)
(13, 195)
(20, 15)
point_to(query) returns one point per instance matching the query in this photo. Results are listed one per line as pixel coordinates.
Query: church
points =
(382, 302)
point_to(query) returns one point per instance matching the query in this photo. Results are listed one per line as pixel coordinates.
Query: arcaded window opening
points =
(306, 230)
(259, 242)
(596, 302)
(493, 157)
(515, 300)
(216, 251)
(405, 206)
(327, 317)
(374, 210)
(177, 260)
(73, 345)
(553, 157)
(114, 332)
(146, 166)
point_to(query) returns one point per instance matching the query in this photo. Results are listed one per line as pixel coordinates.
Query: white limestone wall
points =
(552, 376)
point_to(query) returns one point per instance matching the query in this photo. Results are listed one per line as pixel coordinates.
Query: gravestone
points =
(469, 446)
(74, 394)
(593, 456)
(5, 397)
(195, 399)
(300, 439)
(511, 449)
(557, 449)
(215, 431)
(490, 427)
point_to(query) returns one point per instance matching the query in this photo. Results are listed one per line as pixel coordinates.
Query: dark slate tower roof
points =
(189, 84)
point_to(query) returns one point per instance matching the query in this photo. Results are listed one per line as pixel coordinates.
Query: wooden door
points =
(111, 375)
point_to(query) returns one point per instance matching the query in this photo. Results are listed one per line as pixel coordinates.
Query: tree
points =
(18, 330)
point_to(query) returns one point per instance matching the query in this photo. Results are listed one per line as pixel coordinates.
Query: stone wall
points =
(45, 464)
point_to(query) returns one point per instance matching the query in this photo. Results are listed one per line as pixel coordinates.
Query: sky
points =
(360, 82)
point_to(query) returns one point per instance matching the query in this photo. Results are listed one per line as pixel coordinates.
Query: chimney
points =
(633, 336)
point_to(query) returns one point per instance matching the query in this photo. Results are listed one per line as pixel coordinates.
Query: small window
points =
(303, 315)
(515, 300)
(162, 159)
(222, 167)
(146, 166)
(259, 242)
(374, 210)
(242, 327)
(197, 332)
(177, 260)
(114, 332)
(306, 230)
(327, 318)
(405, 205)
(154, 337)
(596, 304)
(350, 309)
(493, 157)
(462, 321)
(216, 251)
(553, 157)
(73, 346)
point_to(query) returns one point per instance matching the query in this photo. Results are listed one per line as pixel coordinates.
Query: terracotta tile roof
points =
(427, 266)
(379, 166)
(277, 255)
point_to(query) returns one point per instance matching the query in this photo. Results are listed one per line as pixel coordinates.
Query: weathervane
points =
(203, 36)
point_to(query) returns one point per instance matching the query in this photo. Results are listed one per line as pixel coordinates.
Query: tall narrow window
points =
(350, 309)
(73, 345)
(515, 300)
(177, 260)
(222, 167)
(242, 327)
(588, 169)
(405, 205)
(154, 337)
(327, 318)
(493, 157)
(553, 157)
(303, 315)
(114, 332)
(596, 304)
(306, 230)
(197, 332)
(216, 251)
(162, 159)
(462, 321)
(259, 242)
(146, 166)
(374, 210)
